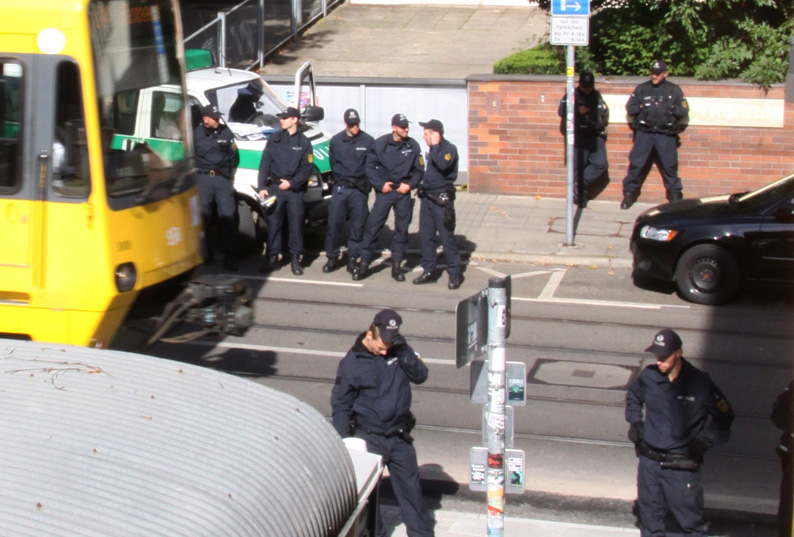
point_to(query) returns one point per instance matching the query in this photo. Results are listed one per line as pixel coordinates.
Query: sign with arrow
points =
(570, 7)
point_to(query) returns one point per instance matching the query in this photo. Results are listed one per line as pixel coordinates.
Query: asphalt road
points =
(581, 333)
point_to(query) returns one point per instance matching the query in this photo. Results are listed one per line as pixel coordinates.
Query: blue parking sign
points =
(570, 7)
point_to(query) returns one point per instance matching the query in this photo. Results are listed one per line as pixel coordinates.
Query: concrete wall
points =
(739, 137)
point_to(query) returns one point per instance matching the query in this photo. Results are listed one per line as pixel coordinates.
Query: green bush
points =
(542, 59)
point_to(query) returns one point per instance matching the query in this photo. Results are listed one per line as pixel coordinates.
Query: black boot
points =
(352, 263)
(675, 196)
(296, 265)
(270, 264)
(628, 201)
(455, 281)
(230, 263)
(397, 272)
(332, 264)
(425, 277)
(360, 271)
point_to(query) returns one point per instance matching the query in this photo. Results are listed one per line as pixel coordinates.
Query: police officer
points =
(437, 212)
(216, 161)
(783, 418)
(394, 167)
(348, 155)
(660, 112)
(673, 435)
(284, 171)
(371, 399)
(591, 117)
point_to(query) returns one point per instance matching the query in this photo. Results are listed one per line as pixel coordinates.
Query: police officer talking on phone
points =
(437, 213)
(347, 154)
(217, 159)
(676, 413)
(284, 171)
(371, 399)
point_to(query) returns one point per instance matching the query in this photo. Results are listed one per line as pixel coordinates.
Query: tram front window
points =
(134, 48)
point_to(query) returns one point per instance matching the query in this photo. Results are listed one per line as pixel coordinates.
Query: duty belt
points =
(674, 461)
(213, 173)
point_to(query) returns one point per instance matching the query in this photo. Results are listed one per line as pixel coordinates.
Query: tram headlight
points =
(125, 277)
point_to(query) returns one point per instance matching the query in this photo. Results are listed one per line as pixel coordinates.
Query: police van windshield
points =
(134, 45)
(250, 108)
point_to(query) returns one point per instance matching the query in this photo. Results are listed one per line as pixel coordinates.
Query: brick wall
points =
(515, 146)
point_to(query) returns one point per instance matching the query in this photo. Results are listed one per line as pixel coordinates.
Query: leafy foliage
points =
(541, 59)
(708, 39)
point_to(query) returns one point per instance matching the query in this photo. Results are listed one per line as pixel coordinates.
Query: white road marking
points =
(305, 352)
(607, 303)
(301, 280)
(492, 272)
(551, 286)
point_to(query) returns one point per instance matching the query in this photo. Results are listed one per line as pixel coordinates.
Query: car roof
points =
(215, 77)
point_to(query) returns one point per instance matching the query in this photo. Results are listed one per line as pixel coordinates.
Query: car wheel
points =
(708, 274)
(249, 230)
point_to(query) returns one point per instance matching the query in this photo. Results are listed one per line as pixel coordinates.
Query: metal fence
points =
(244, 35)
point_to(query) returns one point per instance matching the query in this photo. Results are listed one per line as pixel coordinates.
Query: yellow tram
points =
(89, 215)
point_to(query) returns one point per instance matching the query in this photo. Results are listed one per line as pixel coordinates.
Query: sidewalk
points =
(533, 230)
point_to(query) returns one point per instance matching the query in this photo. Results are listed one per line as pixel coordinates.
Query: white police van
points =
(249, 107)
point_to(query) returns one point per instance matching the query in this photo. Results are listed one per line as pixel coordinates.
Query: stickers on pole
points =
(514, 468)
(515, 378)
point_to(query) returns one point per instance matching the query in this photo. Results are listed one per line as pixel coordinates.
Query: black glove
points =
(397, 341)
(635, 432)
(698, 448)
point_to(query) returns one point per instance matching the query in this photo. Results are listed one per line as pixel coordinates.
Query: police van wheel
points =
(250, 234)
(708, 274)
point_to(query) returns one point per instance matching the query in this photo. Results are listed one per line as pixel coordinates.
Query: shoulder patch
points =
(722, 404)
(311, 158)
(448, 156)
(421, 160)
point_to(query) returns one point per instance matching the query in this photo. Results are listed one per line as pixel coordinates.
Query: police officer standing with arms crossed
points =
(371, 399)
(348, 156)
(685, 415)
(437, 213)
(660, 112)
(394, 167)
(216, 161)
(591, 117)
(284, 172)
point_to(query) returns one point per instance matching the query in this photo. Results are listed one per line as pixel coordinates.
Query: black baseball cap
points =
(399, 120)
(388, 323)
(211, 111)
(289, 112)
(433, 125)
(586, 79)
(351, 117)
(658, 67)
(665, 343)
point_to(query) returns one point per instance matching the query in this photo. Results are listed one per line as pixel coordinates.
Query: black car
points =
(710, 246)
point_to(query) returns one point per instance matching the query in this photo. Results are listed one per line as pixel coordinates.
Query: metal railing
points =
(244, 35)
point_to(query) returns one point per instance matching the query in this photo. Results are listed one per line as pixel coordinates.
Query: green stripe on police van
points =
(250, 158)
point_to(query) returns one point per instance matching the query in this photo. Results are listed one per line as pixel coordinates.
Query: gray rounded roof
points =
(106, 443)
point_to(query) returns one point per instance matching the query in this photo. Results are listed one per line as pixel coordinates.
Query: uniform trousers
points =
(346, 202)
(400, 457)
(679, 491)
(431, 222)
(590, 161)
(219, 189)
(666, 148)
(290, 204)
(403, 212)
(784, 508)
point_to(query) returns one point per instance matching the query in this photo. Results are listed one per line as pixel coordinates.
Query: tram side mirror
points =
(313, 113)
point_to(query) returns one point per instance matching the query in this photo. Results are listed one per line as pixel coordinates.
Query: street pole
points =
(497, 323)
(569, 140)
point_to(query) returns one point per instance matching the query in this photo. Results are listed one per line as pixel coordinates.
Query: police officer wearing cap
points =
(684, 415)
(437, 212)
(591, 118)
(371, 399)
(284, 171)
(783, 418)
(216, 161)
(660, 112)
(394, 167)
(347, 154)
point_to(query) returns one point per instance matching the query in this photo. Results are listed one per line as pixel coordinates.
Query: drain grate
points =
(587, 374)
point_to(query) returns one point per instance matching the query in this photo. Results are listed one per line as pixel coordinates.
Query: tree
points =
(707, 39)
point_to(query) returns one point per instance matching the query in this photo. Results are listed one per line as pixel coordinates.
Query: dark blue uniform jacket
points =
(678, 412)
(398, 162)
(287, 157)
(661, 108)
(375, 389)
(348, 156)
(215, 149)
(442, 166)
